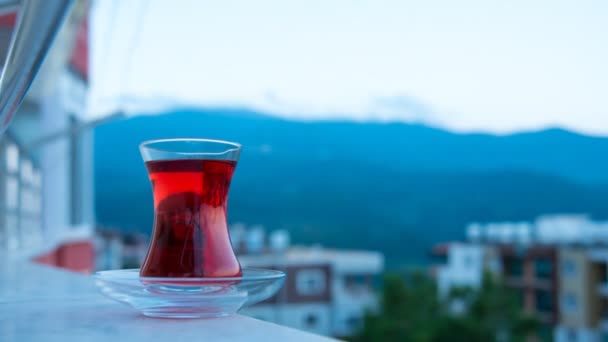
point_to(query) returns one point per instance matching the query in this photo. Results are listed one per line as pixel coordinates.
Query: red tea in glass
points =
(190, 181)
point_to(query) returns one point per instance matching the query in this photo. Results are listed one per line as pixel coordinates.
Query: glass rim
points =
(149, 145)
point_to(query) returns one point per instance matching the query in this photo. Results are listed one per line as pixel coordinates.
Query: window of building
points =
(26, 171)
(311, 320)
(569, 302)
(514, 267)
(36, 203)
(26, 201)
(30, 202)
(569, 268)
(358, 282)
(543, 268)
(12, 193)
(11, 231)
(544, 301)
(12, 158)
(467, 261)
(353, 322)
(310, 282)
(571, 335)
(36, 178)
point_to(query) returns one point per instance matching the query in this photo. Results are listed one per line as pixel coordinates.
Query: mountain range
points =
(393, 187)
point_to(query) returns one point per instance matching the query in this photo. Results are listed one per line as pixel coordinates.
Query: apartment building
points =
(531, 272)
(582, 294)
(46, 174)
(326, 291)
(557, 264)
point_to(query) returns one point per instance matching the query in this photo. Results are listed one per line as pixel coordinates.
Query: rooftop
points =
(342, 260)
(548, 230)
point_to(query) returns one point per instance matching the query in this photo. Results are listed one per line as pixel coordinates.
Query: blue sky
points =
(466, 65)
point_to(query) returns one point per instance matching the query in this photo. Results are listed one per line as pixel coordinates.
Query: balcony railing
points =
(41, 303)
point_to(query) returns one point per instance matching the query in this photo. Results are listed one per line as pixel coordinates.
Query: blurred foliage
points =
(411, 310)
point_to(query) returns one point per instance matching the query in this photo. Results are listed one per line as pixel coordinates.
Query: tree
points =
(411, 310)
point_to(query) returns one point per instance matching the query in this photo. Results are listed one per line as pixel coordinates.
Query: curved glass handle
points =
(37, 24)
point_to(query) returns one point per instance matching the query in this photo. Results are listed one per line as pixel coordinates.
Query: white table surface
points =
(41, 303)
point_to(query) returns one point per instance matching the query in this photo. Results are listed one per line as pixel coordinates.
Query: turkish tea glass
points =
(190, 180)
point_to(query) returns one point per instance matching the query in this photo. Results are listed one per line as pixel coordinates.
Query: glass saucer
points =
(189, 297)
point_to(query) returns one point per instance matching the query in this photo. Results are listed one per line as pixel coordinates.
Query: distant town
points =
(557, 265)
(327, 291)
